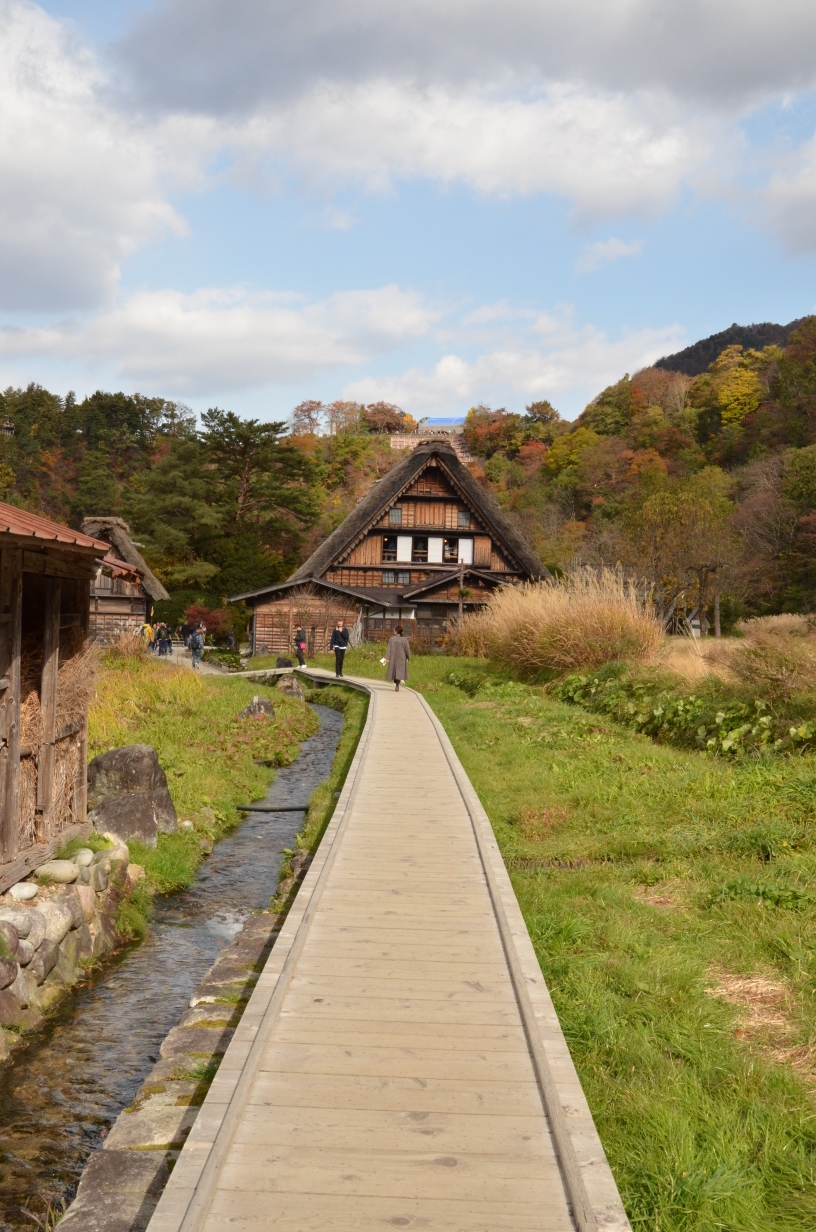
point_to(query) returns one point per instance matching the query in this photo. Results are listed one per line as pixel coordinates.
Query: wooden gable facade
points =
(422, 535)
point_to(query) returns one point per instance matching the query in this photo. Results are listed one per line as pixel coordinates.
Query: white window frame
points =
(435, 550)
(405, 549)
(465, 551)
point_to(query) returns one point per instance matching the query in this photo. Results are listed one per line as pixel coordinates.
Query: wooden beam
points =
(48, 702)
(11, 605)
(58, 564)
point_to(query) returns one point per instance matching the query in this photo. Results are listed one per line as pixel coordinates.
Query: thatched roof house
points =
(426, 531)
(118, 605)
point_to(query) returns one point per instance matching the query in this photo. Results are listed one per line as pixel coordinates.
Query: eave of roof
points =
(443, 579)
(366, 596)
(18, 522)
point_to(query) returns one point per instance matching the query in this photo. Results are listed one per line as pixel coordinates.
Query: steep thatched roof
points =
(388, 489)
(116, 532)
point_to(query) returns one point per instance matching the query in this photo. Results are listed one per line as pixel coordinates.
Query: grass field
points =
(207, 752)
(670, 896)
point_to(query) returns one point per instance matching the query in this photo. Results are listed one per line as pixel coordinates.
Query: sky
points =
(248, 203)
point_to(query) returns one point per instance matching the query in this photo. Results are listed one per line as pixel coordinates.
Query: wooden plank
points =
(48, 703)
(11, 592)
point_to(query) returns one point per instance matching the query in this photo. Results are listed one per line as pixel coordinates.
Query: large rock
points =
(291, 686)
(43, 961)
(9, 938)
(86, 898)
(10, 1009)
(258, 708)
(23, 891)
(19, 918)
(59, 919)
(8, 972)
(128, 796)
(61, 872)
(25, 952)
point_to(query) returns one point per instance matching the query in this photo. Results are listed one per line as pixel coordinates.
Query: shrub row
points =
(711, 719)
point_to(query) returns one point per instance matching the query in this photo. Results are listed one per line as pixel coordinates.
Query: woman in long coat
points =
(397, 655)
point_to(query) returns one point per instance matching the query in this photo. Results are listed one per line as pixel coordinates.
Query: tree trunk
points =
(717, 629)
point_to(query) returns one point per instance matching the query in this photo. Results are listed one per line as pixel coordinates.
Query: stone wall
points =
(50, 934)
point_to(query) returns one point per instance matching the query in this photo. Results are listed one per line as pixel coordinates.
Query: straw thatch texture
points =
(75, 685)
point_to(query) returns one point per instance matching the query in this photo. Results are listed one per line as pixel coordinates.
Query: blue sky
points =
(248, 204)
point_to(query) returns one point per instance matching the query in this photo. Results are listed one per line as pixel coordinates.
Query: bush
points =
(583, 621)
(777, 655)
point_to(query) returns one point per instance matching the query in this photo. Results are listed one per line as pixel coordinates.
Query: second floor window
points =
(463, 518)
(450, 551)
(394, 578)
(389, 547)
(395, 517)
(420, 550)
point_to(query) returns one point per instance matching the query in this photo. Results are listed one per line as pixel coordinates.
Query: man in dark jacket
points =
(300, 646)
(339, 644)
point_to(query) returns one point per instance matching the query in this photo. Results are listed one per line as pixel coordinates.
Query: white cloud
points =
(231, 56)
(79, 182)
(549, 359)
(228, 340)
(604, 251)
(607, 153)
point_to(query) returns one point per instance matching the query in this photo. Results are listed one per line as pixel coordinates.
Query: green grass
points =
(94, 841)
(354, 707)
(707, 1126)
(207, 752)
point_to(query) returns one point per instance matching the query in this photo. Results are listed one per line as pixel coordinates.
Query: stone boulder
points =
(291, 686)
(60, 872)
(259, 707)
(23, 891)
(128, 796)
(8, 972)
(283, 662)
(9, 938)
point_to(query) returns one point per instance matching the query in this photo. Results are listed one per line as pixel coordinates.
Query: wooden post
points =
(11, 618)
(717, 628)
(48, 702)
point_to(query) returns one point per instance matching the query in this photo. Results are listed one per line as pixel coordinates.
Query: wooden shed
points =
(45, 588)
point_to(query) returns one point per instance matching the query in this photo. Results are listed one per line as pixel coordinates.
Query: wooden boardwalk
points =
(400, 1064)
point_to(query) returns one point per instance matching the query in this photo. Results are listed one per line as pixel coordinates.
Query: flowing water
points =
(61, 1093)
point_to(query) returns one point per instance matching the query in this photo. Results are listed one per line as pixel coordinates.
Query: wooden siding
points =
(43, 595)
(482, 551)
(431, 483)
(368, 552)
(275, 623)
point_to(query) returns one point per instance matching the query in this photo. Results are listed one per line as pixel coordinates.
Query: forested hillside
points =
(702, 486)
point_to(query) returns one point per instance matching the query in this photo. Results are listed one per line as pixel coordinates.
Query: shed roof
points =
(14, 521)
(116, 532)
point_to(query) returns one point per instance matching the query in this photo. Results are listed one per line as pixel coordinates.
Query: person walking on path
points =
(196, 647)
(339, 644)
(397, 656)
(300, 646)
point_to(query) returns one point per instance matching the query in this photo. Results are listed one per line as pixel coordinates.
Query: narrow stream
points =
(61, 1093)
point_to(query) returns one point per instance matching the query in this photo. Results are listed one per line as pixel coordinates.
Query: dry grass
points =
(696, 659)
(778, 653)
(765, 1006)
(128, 644)
(583, 621)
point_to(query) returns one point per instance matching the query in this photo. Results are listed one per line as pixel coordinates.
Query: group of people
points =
(158, 638)
(397, 653)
